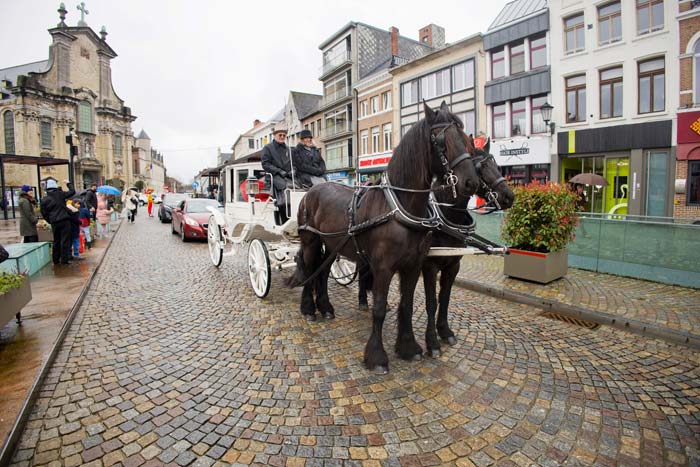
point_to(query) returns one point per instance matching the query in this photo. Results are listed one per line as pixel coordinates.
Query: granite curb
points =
(13, 438)
(632, 325)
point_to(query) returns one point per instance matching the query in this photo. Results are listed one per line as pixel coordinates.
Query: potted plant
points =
(539, 225)
(15, 292)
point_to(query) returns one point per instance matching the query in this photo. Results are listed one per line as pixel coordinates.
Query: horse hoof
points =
(452, 340)
(380, 370)
(363, 307)
(435, 353)
(417, 357)
(310, 317)
(329, 315)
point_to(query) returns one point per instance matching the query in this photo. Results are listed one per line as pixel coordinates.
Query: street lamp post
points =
(73, 151)
(546, 110)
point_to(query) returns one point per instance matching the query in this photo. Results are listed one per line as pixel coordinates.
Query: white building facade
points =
(614, 88)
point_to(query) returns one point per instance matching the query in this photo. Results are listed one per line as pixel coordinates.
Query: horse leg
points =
(406, 345)
(429, 285)
(365, 284)
(322, 301)
(447, 279)
(310, 255)
(375, 355)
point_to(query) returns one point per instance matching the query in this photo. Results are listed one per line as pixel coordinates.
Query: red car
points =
(191, 216)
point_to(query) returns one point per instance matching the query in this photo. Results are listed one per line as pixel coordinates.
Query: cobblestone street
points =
(171, 360)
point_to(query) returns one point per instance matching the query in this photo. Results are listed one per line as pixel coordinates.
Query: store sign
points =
(337, 175)
(521, 151)
(376, 161)
(689, 127)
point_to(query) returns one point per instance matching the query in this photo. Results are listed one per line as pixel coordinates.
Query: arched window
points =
(8, 120)
(696, 67)
(85, 117)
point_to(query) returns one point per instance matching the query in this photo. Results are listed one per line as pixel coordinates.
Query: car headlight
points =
(190, 221)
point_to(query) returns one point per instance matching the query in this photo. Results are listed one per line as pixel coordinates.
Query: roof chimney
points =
(394, 41)
(432, 35)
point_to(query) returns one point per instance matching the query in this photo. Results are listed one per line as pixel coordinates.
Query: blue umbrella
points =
(108, 190)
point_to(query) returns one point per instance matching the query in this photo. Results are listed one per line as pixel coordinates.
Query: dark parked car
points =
(170, 200)
(190, 218)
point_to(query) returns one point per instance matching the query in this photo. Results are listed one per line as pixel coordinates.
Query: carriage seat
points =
(261, 196)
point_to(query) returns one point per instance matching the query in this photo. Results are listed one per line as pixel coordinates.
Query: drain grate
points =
(570, 320)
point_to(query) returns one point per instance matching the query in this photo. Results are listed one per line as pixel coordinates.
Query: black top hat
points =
(305, 134)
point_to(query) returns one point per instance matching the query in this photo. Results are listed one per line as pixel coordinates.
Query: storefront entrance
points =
(611, 199)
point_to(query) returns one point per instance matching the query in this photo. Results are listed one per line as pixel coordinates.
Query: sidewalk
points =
(24, 349)
(662, 311)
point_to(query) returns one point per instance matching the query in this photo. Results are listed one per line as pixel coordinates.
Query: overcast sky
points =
(197, 73)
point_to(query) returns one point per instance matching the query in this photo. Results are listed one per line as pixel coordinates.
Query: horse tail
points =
(298, 278)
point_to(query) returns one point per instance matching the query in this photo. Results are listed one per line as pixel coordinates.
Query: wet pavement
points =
(652, 303)
(172, 361)
(24, 348)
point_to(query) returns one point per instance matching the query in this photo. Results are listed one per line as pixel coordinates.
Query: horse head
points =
(450, 158)
(493, 187)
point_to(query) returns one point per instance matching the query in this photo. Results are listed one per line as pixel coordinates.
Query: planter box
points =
(536, 267)
(26, 258)
(12, 302)
(45, 235)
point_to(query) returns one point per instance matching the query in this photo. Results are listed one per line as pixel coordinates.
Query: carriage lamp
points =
(546, 110)
(252, 186)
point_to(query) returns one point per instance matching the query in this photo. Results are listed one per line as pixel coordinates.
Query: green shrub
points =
(10, 281)
(543, 218)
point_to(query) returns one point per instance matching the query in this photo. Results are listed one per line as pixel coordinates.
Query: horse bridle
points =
(438, 142)
(491, 195)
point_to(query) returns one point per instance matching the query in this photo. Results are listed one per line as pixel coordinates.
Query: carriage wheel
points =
(259, 268)
(343, 271)
(216, 252)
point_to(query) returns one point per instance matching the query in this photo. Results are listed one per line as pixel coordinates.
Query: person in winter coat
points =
(309, 166)
(74, 209)
(275, 160)
(131, 202)
(54, 211)
(91, 199)
(104, 214)
(27, 217)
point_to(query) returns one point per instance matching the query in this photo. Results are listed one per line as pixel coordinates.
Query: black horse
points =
(494, 188)
(390, 224)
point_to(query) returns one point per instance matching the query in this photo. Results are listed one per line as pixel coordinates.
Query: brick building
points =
(686, 201)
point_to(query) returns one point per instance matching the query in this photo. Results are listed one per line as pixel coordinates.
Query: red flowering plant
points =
(543, 218)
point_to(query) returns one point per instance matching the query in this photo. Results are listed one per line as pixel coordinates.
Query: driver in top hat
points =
(275, 160)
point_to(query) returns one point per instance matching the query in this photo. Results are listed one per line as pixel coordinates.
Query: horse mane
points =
(410, 165)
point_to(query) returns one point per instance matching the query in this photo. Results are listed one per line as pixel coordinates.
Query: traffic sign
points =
(195, 184)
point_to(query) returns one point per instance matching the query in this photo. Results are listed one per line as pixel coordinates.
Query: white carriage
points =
(250, 219)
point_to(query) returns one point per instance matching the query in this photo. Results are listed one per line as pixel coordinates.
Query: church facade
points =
(42, 102)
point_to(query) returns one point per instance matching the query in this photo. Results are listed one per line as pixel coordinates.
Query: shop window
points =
(498, 64)
(652, 78)
(538, 125)
(574, 34)
(611, 93)
(576, 99)
(693, 187)
(517, 118)
(499, 121)
(650, 16)
(538, 52)
(8, 121)
(517, 58)
(609, 23)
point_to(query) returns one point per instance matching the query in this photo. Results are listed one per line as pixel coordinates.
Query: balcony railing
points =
(335, 61)
(330, 132)
(329, 99)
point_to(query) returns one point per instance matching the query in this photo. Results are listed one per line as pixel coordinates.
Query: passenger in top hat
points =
(309, 166)
(275, 160)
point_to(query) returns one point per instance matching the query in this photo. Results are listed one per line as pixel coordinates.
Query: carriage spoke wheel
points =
(216, 252)
(343, 271)
(259, 268)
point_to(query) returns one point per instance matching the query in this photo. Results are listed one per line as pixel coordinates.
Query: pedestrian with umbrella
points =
(104, 214)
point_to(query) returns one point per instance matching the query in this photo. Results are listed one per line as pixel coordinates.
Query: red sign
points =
(688, 127)
(479, 142)
(375, 161)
